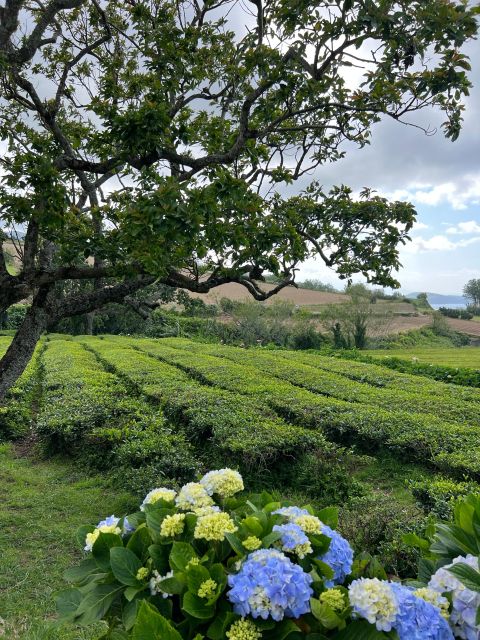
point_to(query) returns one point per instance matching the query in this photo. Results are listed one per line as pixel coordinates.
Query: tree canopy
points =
(471, 291)
(175, 141)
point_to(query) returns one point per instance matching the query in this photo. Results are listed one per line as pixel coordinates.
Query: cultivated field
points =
(135, 401)
(468, 357)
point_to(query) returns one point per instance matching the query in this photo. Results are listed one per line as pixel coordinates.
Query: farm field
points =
(468, 357)
(140, 412)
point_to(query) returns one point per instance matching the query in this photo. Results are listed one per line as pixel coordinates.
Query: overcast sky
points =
(442, 180)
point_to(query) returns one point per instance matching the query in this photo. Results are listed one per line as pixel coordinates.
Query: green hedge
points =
(17, 414)
(298, 373)
(418, 436)
(88, 412)
(216, 420)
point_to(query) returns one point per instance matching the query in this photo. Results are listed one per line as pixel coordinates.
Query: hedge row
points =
(17, 414)
(457, 376)
(89, 412)
(215, 419)
(418, 436)
(341, 387)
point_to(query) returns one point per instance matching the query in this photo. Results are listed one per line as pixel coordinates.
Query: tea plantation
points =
(127, 414)
(175, 406)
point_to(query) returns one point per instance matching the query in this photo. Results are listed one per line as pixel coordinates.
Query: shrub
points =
(462, 314)
(438, 496)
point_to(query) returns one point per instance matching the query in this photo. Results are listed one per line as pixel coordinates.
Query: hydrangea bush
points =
(210, 562)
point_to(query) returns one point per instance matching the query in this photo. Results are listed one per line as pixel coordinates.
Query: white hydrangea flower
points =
(223, 482)
(375, 601)
(193, 496)
(160, 493)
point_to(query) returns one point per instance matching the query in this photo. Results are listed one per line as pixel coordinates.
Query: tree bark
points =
(21, 349)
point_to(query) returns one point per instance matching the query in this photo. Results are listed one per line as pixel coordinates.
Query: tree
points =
(351, 321)
(471, 291)
(157, 141)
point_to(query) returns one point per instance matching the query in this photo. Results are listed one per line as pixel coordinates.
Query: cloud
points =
(461, 194)
(471, 226)
(437, 243)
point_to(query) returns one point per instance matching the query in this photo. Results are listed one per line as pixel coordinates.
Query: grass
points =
(448, 356)
(43, 503)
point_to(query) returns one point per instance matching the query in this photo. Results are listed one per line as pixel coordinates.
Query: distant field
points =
(462, 357)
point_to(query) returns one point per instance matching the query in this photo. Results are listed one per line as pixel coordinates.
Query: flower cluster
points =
(243, 630)
(223, 482)
(435, 598)
(193, 496)
(293, 540)
(418, 619)
(172, 525)
(158, 494)
(464, 601)
(214, 526)
(339, 556)
(391, 605)
(269, 584)
(375, 601)
(334, 599)
(109, 525)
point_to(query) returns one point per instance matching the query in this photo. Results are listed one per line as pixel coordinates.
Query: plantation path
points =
(43, 504)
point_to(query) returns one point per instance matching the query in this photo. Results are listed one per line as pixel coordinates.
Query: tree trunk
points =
(21, 349)
(89, 323)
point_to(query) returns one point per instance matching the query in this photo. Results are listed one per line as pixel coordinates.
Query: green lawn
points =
(43, 503)
(453, 357)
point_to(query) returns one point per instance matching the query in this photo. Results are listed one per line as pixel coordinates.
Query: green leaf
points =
(415, 541)
(129, 614)
(139, 542)
(79, 573)
(67, 602)
(329, 516)
(196, 575)
(253, 525)
(125, 566)
(101, 549)
(97, 602)
(150, 625)
(160, 556)
(197, 607)
(180, 555)
(235, 543)
(270, 539)
(467, 576)
(325, 614)
(360, 630)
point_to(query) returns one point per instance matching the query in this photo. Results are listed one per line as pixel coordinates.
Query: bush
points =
(438, 496)
(88, 413)
(375, 524)
(462, 314)
(14, 316)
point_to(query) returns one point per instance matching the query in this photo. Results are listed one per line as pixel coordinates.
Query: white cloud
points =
(471, 226)
(437, 243)
(459, 194)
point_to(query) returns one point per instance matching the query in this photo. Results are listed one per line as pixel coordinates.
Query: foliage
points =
(350, 321)
(14, 316)
(439, 496)
(88, 412)
(471, 291)
(463, 314)
(210, 562)
(317, 285)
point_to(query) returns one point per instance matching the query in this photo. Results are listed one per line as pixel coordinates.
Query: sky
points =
(441, 178)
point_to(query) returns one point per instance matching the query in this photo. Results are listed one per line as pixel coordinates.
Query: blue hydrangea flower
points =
(269, 584)
(339, 557)
(291, 512)
(108, 522)
(464, 601)
(293, 539)
(417, 619)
